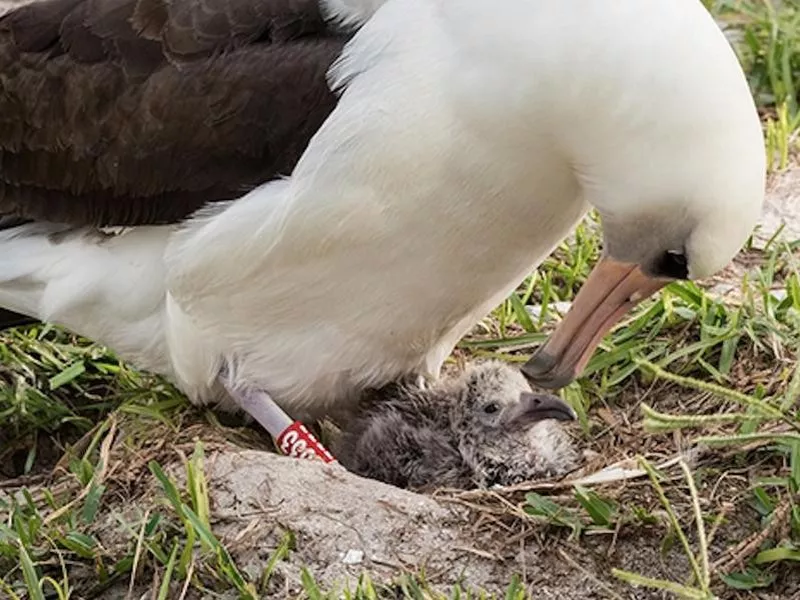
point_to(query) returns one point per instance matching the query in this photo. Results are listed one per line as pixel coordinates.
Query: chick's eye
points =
(491, 408)
(672, 264)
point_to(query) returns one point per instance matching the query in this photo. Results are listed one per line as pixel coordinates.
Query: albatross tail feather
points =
(109, 288)
(9, 318)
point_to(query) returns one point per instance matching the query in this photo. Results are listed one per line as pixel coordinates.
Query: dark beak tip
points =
(565, 413)
(543, 370)
(546, 406)
(544, 373)
(571, 415)
(539, 364)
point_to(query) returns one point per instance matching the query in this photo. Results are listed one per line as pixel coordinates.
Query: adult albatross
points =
(314, 196)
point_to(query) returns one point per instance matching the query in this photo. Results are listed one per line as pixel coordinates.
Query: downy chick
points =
(482, 428)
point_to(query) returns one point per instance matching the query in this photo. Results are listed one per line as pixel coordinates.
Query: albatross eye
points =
(491, 408)
(673, 265)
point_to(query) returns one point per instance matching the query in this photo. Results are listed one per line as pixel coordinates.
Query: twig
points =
(187, 581)
(623, 470)
(476, 552)
(137, 554)
(746, 548)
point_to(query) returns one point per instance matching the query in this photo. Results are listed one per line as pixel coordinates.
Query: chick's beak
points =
(612, 289)
(537, 407)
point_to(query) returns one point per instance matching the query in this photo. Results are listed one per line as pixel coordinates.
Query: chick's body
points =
(484, 427)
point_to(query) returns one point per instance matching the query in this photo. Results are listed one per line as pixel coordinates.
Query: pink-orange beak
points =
(612, 289)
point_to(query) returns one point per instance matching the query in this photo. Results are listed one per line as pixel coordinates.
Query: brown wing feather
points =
(124, 112)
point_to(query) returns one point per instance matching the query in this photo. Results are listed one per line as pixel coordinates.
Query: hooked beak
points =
(612, 289)
(532, 408)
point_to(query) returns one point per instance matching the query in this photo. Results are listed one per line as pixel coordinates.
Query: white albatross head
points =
(668, 148)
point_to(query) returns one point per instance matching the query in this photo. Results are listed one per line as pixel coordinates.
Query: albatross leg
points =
(291, 437)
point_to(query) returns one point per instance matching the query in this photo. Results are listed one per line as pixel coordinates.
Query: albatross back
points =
(132, 112)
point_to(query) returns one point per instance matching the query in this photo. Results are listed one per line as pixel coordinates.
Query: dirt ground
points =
(344, 525)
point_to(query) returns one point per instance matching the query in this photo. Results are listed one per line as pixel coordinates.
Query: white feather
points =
(110, 288)
(469, 139)
(350, 13)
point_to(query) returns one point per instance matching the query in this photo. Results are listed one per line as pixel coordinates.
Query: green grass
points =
(767, 36)
(714, 375)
